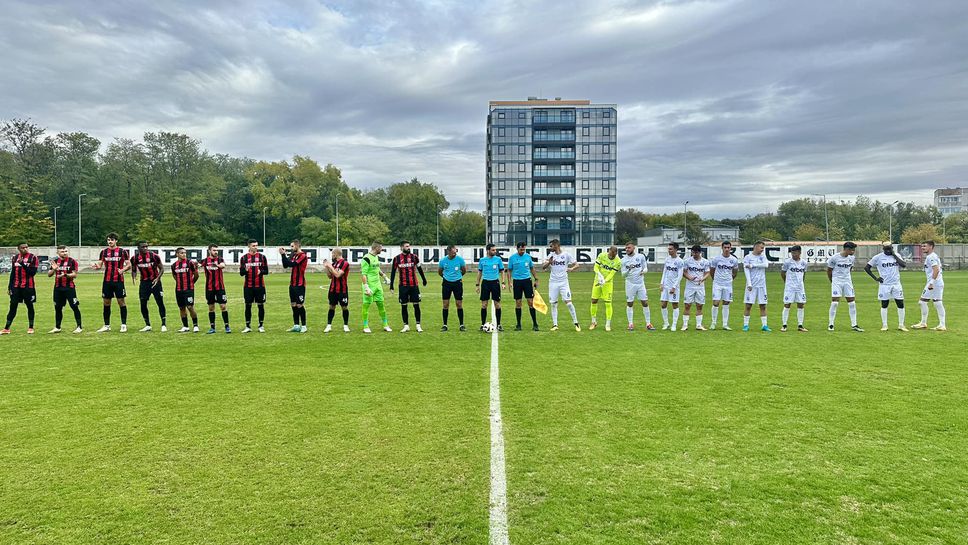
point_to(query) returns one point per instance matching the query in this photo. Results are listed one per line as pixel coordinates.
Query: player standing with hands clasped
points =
(561, 263)
(672, 271)
(889, 266)
(724, 268)
(407, 264)
(373, 280)
(452, 269)
(696, 273)
(793, 289)
(634, 267)
(754, 266)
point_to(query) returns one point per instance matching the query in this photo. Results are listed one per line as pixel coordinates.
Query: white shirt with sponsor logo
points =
(794, 274)
(723, 268)
(887, 268)
(841, 267)
(697, 269)
(755, 268)
(634, 268)
(672, 272)
(559, 267)
(930, 262)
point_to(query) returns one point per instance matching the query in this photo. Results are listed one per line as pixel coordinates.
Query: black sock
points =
(162, 311)
(460, 316)
(406, 314)
(124, 315)
(225, 318)
(195, 320)
(30, 315)
(445, 312)
(11, 314)
(483, 315)
(295, 315)
(184, 321)
(330, 315)
(144, 312)
(262, 315)
(534, 317)
(498, 313)
(346, 316)
(58, 316)
(77, 314)
(517, 315)
(211, 319)
(248, 315)
(302, 315)
(107, 315)
(416, 313)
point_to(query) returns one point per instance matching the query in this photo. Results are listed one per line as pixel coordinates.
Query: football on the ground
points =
(489, 327)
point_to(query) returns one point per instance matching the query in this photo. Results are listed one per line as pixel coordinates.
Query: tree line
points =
(167, 189)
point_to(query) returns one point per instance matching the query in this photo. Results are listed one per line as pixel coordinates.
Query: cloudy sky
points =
(738, 104)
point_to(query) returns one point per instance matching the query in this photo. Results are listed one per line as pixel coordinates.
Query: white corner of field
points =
(498, 526)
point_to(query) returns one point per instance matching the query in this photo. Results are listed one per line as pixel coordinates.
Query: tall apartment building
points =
(551, 171)
(951, 201)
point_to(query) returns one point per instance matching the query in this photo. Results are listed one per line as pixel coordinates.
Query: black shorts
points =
(185, 298)
(491, 290)
(216, 297)
(23, 295)
(455, 289)
(523, 287)
(297, 294)
(340, 298)
(408, 294)
(65, 296)
(113, 290)
(146, 290)
(254, 295)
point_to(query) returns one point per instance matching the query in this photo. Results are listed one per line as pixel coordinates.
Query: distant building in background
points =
(951, 201)
(551, 171)
(665, 234)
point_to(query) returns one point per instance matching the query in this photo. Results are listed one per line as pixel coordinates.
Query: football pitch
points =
(610, 437)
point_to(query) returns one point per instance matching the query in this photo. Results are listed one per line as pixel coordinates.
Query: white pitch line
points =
(499, 490)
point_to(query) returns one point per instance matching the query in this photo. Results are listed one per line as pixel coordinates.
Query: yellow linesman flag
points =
(539, 303)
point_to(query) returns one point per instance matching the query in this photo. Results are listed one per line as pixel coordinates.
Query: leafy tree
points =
(354, 231)
(917, 234)
(414, 207)
(462, 226)
(808, 231)
(630, 224)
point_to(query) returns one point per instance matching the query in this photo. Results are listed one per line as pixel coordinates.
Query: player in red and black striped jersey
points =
(64, 271)
(21, 288)
(253, 266)
(115, 262)
(213, 265)
(185, 273)
(148, 264)
(338, 271)
(297, 261)
(407, 264)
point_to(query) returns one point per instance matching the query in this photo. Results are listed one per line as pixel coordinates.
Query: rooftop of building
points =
(540, 102)
(949, 191)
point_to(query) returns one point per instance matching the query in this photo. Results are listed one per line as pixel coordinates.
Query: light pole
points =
(890, 222)
(825, 222)
(685, 224)
(55, 226)
(264, 208)
(79, 219)
(337, 218)
(437, 208)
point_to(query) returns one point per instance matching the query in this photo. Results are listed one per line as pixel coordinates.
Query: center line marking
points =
(499, 488)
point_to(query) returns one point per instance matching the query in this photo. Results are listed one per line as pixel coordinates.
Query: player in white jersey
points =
(672, 271)
(794, 291)
(634, 267)
(696, 273)
(561, 263)
(842, 285)
(933, 290)
(889, 266)
(724, 268)
(754, 266)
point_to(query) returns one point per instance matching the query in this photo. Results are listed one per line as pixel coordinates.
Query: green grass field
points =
(673, 438)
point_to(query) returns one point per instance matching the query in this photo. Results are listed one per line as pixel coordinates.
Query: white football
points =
(489, 327)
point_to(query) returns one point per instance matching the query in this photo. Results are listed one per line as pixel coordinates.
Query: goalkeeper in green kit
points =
(373, 279)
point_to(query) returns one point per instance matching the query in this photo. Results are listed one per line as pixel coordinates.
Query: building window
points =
(586, 114)
(501, 220)
(584, 167)
(605, 149)
(500, 185)
(586, 131)
(500, 115)
(606, 131)
(521, 202)
(605, 166)
(500, 131)
(605, 203)
(520, 131)
(605, 184)
(584, 202)
(520, 115)
(584, 184)
(607, 113)
(521, 185)
(520, 167)
(501, 204)
(500, 167)
(500, 150)
(584, 149)
(521, 150)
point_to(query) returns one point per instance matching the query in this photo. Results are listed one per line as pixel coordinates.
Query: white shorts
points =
(670, 297)
(722, 293)
(794, 296)
(841, 289)
(695, 294)
(886, 292)
(754, 296)
(936, 294)
(558, 290)
(635, 292)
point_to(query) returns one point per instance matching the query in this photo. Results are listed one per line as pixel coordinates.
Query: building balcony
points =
(554, 137)
(557, 191)
(561, 173)
(554, 209)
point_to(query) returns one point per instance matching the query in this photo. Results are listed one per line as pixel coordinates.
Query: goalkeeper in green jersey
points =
(606, 265)
(373, 280)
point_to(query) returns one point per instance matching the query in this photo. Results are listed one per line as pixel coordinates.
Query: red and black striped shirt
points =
(23, 267)
(147, 265)
(113, 259)
(406, 265)
(213, 274)
(339, 285)
(185, 272)
(254, 267)
(297, 263)
(65, 266)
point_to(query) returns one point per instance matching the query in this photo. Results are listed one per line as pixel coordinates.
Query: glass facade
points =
(551, 172)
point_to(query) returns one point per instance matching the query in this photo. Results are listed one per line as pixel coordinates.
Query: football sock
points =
(647, 313)
(483, 315)
(884, 316)
(939, 306)
(763, 320)
(416, 313)
(366, 315)
(346, 316)
(665, 315)
(608, 311)
(833, 311)
(852, 311)
(444, 313)
(225, 317)
(554, 313)
(30, 314)
(405, 314)
(106, 312)
(382, 309)
(715, 314)
(629, 313)
(725, 315)
(786, 315)
(573, 312)
(498, 313)
(262, 314)
(800, 316)
(534, 316)
(330, 315)
(594, 312)
(460, 316)
(248, 314)
(517, 315)
(124, 315)
(675, 317)
(924, 311)
(699, 320)
(58, 316)
(144, 312)
(211, 319)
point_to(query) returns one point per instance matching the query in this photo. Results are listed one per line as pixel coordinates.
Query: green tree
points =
(630, 224)
(917, 234)
(462, 226)
(413, 208)
(808, 231)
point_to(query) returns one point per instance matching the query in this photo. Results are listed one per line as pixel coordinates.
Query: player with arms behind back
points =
(634, 267)
(794, 291)
(214, 267)
(933, 290)
(755, 265)
(724, 269)
(839, 266)
(672, 271)
(889, 266)
(561, 263)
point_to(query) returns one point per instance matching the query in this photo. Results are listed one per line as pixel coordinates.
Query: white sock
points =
(554, 313)
(715, 315)
(900, 316)
(665, 316)
(939, 306)
(763, 320)
(629, 314)
(647, 313)
(800, 316)
(725, 315)
(608, 323)
(571, 310)
(924, 311)
(786, 315)
(884, 316)
(685, 320)
(852, 310)
(675, 317)
(833, 311)
(746, 320)
(699, 320)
